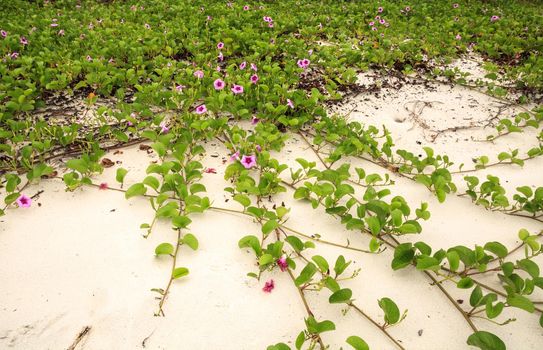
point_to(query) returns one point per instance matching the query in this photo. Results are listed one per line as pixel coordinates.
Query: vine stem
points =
(160, 311)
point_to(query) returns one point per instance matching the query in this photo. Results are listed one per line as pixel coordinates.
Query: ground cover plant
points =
(173, 76)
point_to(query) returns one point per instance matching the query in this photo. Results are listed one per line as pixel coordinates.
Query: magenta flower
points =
(374, 28)
(246, 8)
(163, 128)
(14, 55)
(199, 74)
(234, 156)
(382, 21)
(220, 57)
(201, 109)
(210, 170)
(253, 67)
(303, 63)
(380, 9)
(209, 18)
(458, 37)
(289, 103)
(54, 24)
(23, 40)
(455, 6)
(243, 65)
(377, 17)
(268, 286)
(248, 161)
(258, 148)
(179, 88)
(3, 33)
(371, 24)
(407, 9)
(494, 18)
(254, 120)
(220, 45)
(219, 84)
(267, 19)
(103, 186)
(254, 78)
(218, 69)
(282, 263)
(24, 201)
(270, 24)
(237, 89)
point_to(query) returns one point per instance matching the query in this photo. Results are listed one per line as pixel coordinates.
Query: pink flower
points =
(61, 32)
(455, 6)
(210, 170)
(254, 120)
(253, 67)
(220, 45)
(201, 109)
(234, 156)
(246, 8)
(267, 19)
(23, 40)
(199, 74)
(270, 24)
(24, 201)
(88, 58)
(163, 128)
(54, 24)
(219, 84)
(254, 78)
(243, 65)
(282, 263)
(494, 18)
(310, 52)
(248, 161)
(147, 26)
(382, 21)
(374, 28)
(220, 57)
(103, 186)
(289, 103)
(258, 148)
(378, 17)
(14, 55)
(237, 89)
(303, 63)
(268, 286)
(3, 33)
(371, 24)
(380, 9)
(407, 9)
(458, 37)
(179, 88)
(209, 18)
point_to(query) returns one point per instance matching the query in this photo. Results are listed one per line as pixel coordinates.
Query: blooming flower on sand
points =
(380, 9)
(14, 55)
(267, 19)
(282, 263)
(201, 109)
(220, 45)
(248, 161)
(407, 9)
(23, 40)
(455, 6)
(268, 286)
(163, 128)
(270, 24)
(210, 170)
(289, 103)
(254, 120)
(103, 186)
(199, 74)
(303, 63)
(89, 58)
(253, 67)
(246, 8)
(219, 84)
(494, 18)
(243, 65)
(24, 201)
(254, 78)
(382, 21)
(234, 156)
(3, 33)
(237, 89)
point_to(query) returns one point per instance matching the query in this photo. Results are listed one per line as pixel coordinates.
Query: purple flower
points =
(254, 120)
(254, 78)
(269, 286)
(209, 18)
(243, 65)
(163, 128)
(494, 18)
(248, 161)
(23, 40)
(282, 263)
(289, 103)
(310, 52)
(380, 9)
(199, 74)
(24, 201)
(3, 33)
(219, 84)
(220, 45)
(201, 109)
(234, 156)
(253, 67)
(237, 89)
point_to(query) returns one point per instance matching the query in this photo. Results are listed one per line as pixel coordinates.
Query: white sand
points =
(80, 260)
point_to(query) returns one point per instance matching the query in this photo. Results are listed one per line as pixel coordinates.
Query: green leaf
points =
(307, 273)
(278, 346)
(180, 272)
(521, 302)
(190, 240)
(357, 343)
(341, 296)
(321, 263)
(300, 340)
(374, 225)
(269, 226)
(135, 190)
(195, 188)
(476, 296)
(181, 221)
(465, 283)
(497, 249)
(392, 313)
(164, 249)
(486, 341)
(265, 259)
(403, 256)
(295, 243)
(529, 266)
(250, 242)
(121, 173)
(242, 199)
